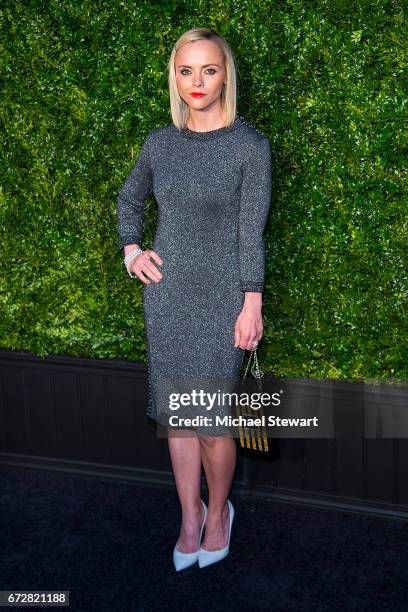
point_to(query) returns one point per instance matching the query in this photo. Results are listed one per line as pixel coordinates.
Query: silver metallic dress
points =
(213, 192)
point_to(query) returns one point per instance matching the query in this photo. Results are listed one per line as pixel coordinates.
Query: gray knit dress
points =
(213, 192)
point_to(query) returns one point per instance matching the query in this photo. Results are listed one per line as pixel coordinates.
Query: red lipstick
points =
(197, 94)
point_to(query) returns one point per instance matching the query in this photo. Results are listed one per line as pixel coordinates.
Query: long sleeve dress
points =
(213, 192)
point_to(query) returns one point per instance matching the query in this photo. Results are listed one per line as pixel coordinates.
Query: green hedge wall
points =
(83, 82)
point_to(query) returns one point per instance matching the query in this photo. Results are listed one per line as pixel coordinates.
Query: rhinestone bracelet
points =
(129, 258)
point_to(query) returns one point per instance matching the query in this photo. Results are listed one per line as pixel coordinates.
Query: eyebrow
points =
(206, 65)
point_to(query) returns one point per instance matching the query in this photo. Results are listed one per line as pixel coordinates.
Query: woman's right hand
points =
(145, 269)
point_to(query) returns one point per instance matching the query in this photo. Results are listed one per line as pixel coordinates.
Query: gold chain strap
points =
(248, 436)
(255, 370)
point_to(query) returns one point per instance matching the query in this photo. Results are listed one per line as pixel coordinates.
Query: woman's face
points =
(199, 67)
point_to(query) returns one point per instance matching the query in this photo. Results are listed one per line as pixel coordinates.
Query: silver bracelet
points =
(129, 258)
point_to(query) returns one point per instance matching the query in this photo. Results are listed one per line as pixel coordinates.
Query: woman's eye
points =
(185, 71)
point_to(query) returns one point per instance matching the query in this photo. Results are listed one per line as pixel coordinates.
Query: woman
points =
(210, 172)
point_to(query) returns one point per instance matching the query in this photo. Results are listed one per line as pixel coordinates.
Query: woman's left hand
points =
(248, 328)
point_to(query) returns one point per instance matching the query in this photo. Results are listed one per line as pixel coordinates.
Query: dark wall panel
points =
(93, 413)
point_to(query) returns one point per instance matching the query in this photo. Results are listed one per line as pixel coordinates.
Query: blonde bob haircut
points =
(178, 108)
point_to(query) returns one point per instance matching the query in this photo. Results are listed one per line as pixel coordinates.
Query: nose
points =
(198, 80)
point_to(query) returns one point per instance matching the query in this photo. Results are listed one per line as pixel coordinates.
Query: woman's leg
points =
(219, 459)
(185, 457)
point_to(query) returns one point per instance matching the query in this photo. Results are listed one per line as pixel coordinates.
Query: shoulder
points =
(159, 133)
(252, 136)
(251, 133)
(158, 137)
(255, 142)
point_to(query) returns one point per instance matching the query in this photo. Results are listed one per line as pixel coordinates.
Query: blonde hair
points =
(178, 108)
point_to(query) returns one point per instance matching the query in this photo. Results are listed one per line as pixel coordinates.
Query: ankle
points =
(218, 514)
(192, 516)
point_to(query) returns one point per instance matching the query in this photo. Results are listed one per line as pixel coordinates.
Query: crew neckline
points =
(187, 133)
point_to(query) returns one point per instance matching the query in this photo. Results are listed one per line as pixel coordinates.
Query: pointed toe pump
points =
(182, 560)
(207, 557)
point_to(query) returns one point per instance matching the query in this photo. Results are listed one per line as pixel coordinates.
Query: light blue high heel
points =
(207, 557)
(182, 560)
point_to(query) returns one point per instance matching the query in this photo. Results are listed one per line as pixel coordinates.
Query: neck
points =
(200, 121)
